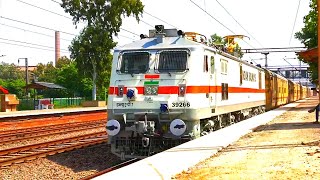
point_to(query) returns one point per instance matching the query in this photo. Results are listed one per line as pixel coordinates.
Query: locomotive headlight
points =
(113, 127)
(120, 90)
(182, 90)
(151, 90)
(177, 127)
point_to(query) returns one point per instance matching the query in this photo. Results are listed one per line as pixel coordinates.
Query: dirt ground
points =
(285, 148)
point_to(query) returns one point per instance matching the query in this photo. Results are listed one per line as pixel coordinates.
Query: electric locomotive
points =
(170, 87)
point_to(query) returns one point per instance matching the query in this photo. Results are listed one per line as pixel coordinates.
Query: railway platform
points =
(281, 143)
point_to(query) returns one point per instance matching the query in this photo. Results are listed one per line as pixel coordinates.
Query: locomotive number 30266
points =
(180, 104)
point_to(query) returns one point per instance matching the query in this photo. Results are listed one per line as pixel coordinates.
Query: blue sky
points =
(267, 23)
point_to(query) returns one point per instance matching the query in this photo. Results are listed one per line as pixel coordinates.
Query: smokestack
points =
(57, 47)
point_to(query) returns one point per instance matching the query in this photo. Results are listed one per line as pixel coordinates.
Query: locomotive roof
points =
(172, 43)
(151, 43)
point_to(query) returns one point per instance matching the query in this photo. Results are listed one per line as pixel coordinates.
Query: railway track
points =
(30, 152)
(32, 129)
(33, 133)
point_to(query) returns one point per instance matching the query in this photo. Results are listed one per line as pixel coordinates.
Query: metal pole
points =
(27, 76)
(318, 8)
(266, 59)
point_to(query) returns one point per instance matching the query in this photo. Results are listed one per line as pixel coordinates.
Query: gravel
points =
(74, 164)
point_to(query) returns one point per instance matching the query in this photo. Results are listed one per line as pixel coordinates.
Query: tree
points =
(91, 49)
(45, 72)
(67, 76)
(105, 13)
(12, 78)
(308, 36)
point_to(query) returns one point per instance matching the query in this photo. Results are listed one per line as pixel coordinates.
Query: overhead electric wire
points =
(239, 23)
(22, 29)
(146, 23)
(29, 43)
(120, 28)
(7, 43)
(36, 25)
(294, 24)
(44, 9)
(55, 1)
(159, 19)
(218, 21)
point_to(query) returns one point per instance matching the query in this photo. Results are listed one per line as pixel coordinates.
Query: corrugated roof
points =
(44, 85)
(310, 55)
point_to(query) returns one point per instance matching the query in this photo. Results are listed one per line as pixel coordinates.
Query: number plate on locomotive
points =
(180, 104)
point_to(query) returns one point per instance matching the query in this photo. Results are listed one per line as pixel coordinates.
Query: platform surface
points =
(49, 111)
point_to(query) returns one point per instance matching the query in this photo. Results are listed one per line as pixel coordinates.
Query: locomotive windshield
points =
(134, 62)
(172, 61)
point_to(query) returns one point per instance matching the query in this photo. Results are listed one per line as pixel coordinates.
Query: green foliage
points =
(308, 36)
(46, 72)
(91, 49)
(12, 78)
(217, 40)
(67, 76)
(221, 43)
(104, 13)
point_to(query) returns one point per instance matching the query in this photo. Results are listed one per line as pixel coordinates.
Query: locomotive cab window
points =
(134, 62)
(172, 61)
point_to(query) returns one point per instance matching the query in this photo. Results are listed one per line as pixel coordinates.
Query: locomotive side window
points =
(212, 64)
(224, 66)
(134, 62)
(172, 61)
(206, 64)
(224, 91)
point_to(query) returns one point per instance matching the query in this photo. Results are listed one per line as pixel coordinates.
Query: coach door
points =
(212, 84)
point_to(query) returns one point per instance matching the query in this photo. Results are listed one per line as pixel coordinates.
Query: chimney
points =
(57, 47)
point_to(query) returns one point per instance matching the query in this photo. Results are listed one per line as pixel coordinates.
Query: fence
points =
(30, 104)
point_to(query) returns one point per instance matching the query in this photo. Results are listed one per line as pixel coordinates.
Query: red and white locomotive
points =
(167, 89)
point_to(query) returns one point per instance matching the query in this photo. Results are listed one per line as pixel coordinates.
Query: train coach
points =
(171, 87)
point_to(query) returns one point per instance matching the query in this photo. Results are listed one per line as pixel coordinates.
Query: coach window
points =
(240, 74)
(212, 64)
(224, 89)
(206, 65)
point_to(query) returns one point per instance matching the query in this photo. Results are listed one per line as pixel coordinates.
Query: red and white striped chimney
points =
(57, 47)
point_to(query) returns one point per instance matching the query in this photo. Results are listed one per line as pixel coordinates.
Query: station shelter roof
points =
(3, 90)
(44, 85)
(310, 55)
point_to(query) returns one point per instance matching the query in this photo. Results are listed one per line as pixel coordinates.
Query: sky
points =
(268, 24)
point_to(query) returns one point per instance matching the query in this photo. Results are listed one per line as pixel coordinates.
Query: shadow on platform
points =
(286, 126)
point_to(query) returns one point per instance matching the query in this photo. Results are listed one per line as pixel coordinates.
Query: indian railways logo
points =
(248, 76)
